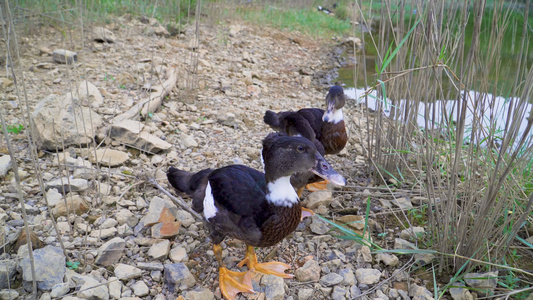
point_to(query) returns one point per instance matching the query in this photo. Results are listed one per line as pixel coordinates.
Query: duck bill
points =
(323, 169)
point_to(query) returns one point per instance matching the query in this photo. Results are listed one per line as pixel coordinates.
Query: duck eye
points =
(300, 149)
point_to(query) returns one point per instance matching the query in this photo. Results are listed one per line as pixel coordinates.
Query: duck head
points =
(335, 100)
(285, 155)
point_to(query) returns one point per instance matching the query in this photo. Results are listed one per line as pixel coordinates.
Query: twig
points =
(178, 201)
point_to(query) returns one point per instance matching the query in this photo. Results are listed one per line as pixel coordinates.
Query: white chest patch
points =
(210, 210)
(262, 160)
(334, 117)
(281, 192)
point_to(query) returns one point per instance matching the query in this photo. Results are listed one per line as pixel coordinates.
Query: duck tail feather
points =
(186, 182)
(272, 119)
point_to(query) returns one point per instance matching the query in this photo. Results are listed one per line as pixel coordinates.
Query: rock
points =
(185, 218)
(53, 197)
(162, 212)
(339, 293)
(318, 226)
(310, 271)
(59, 123)
(227, 119)
(90, 288)
(125, 216)
(126, 272)
(420, 292)
(348, 277)
(353, 221)
(59, 290)
(483, 281)
(460, 293)
(331, 279)
(89, 95)
(187, 141)
(354, 41)
(159, 249)
(367, 276)
(403, 203)
(103, 35)
(140, 288)
(315, 199)
(63, 56)
(200, 294)
(108, 157)
(104, 233)
(110, 252)
(403, 244)
(5, 165)
(8, 294)
(423, 259)
(8, 269)
(150, 266)
(388, 259)
(178, 277)
(178, 254)
(305, 294)
(274, 287)
(412, 234)
(130, 132)
(68, 185)
(50, 267)
(115, 287)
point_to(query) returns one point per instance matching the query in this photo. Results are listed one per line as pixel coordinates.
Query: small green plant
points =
(418, 215)
(108, 77)
(15, 129)
(73, 265)
(122, 87)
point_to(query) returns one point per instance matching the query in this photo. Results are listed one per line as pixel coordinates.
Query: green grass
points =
(15, 129)
(307, 21)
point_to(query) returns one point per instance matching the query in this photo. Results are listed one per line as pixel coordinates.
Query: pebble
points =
(126, 272)
(367, 276)
(115, 287)
(331, 279)
(318, 198)
(159, 249)
(8, 269)
(460, 292)
(110, 252)
(50, 267)
(310, 271)
(339, 293)
(388, 259)
(5, 165)
(140, 289)
(178, 277)
(178, 254)
(318, 226)
(412, 234)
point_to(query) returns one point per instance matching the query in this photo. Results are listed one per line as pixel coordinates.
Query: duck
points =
(325, 128)
(260, 209)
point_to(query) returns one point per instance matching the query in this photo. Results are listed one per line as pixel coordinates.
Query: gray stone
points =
(403, 244)
(310, 271)
(403, 203)
(274, 287)
(50, 267)
(150, 266)
(125, 216)
(108, 157)
(413, 233)
(5, 165)
(126, 272)
(58, 123)
(63, 56)
(178, 277)
(89, 95)
(90, 288)
(423, 259)
(59, 290)
(159, 249)
(388, 259)
(129, 132)
(355, 291)
(487, 280)
(104, 233)
(381, 295)
(331, 279)
(8, 294)
(460, 292)
(348, 276)
(110, 252)
(185, 218)
(103, 35)
(367, 276)
(305, 294)
(318, 226)
(140, 288)
(178, 254)
(315, 199)
(53, 197)
(420, 292)
(200, 294)
(8, 269)
(339, 293)
(68, 185)
(115, 287)
(187, 141)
